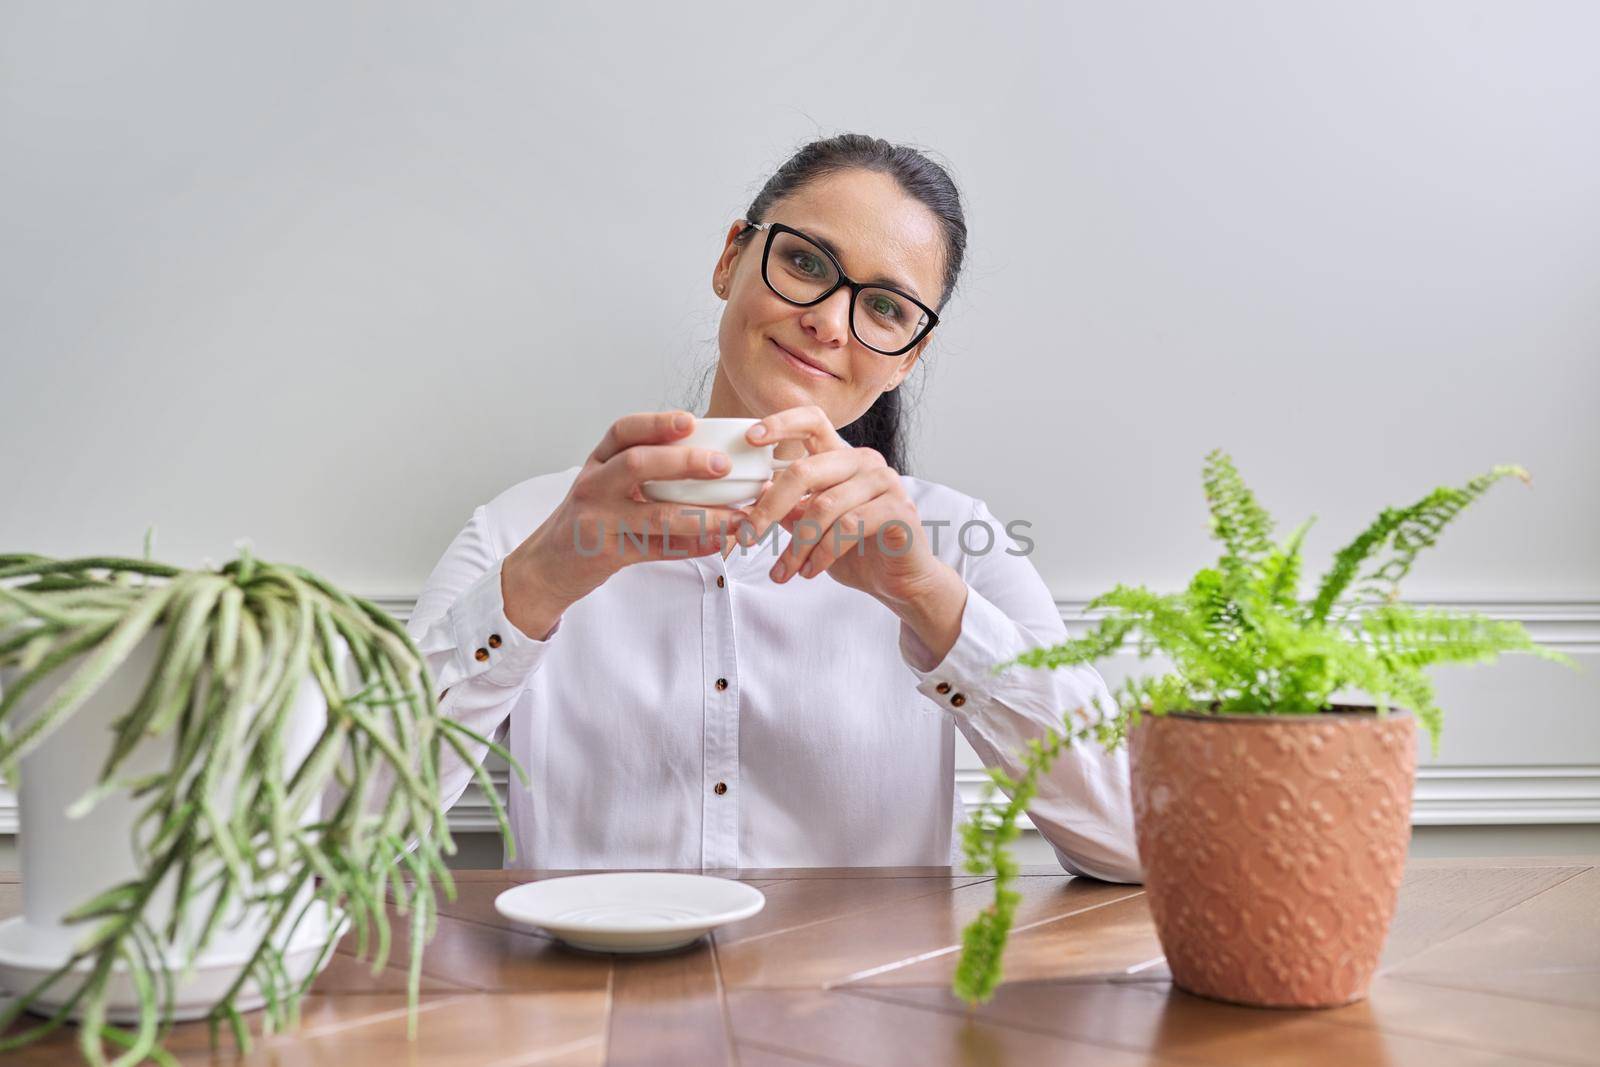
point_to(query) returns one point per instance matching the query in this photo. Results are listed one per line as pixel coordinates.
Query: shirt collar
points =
(746, 559)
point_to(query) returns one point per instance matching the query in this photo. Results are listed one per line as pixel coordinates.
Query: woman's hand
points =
(846, 511)
(581, 543)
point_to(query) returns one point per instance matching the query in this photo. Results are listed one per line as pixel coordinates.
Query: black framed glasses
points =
(803, 272)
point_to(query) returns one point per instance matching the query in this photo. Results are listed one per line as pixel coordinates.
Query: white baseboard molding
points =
(1570, 626)
(1460, 796)
(1446, 795)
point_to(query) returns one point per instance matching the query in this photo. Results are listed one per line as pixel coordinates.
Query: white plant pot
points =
(66, 862)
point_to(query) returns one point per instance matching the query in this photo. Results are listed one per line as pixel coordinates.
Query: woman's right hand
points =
(552, 569)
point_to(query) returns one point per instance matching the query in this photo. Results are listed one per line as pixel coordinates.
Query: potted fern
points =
(220, 772)
(1272, 822)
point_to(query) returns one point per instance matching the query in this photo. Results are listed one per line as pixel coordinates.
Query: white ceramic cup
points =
(749, 467)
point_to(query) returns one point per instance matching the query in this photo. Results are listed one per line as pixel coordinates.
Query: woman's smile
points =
(801, 365)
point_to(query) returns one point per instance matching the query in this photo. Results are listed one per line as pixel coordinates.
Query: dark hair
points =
(882, 426)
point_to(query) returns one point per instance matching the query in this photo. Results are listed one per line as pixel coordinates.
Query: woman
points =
(701, 704)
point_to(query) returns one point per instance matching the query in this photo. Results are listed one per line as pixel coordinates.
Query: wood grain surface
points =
(1487, 962)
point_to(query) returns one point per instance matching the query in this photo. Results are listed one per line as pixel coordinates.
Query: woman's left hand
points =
(854, 518)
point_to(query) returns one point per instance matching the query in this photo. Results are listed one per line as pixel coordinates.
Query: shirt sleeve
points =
(1083, 806)
(480, 661)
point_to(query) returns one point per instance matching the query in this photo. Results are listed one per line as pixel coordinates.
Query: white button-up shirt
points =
(692, 713)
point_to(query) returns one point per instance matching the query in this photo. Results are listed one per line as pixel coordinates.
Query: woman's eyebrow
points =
(882, 279)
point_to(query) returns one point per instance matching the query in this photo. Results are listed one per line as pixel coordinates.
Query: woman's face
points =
(878, 232)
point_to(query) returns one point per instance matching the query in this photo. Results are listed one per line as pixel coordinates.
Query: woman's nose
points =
(831, 318)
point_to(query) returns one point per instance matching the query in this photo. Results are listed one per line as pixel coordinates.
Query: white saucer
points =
(705, 492)
(629, 911)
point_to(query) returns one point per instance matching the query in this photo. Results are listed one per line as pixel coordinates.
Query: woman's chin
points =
(781, 395)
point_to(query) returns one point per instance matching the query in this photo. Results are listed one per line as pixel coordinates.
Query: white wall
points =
(327, 276)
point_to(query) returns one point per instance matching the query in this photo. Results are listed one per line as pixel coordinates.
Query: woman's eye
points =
(807, 263)
(887, 308)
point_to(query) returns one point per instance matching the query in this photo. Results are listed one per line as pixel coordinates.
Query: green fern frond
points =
(1415, 692)
(1162, 621)
(984, 841)
(1236, 519)
(1157, 695)
(1106, 637)
(1411, 529)
(1281, 572)
(1209, 602)
(1419, 637)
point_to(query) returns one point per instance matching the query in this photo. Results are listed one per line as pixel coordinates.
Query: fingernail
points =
(719, 463)
(758, 431)
(777, 571)
(808, 569)
(680, 422)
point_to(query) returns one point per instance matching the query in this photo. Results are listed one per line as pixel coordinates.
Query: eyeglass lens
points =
(800, 271)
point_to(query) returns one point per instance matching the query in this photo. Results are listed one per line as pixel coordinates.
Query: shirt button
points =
(720, 582)
(722, 683)
(494, 640)
(482, 654)
(958, 700)
(720, 788)
(943, 687)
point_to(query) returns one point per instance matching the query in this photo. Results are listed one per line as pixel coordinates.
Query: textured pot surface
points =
(1273, 847)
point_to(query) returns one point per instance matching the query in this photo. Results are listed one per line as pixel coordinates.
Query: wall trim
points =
(1457, 795)
(1446, 795)
(1570, 626)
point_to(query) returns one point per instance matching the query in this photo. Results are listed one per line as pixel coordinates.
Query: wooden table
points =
(1489, 961)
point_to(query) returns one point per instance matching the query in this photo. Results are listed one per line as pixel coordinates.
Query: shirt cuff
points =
(488, 645)
(962, 682)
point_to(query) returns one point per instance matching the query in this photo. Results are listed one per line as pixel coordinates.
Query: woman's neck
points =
(726, 403)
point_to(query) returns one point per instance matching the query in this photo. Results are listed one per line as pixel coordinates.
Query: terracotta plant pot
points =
(1273, 847)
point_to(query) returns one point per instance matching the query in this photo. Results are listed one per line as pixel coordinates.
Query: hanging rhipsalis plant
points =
(239, 642)
(1241, 640)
